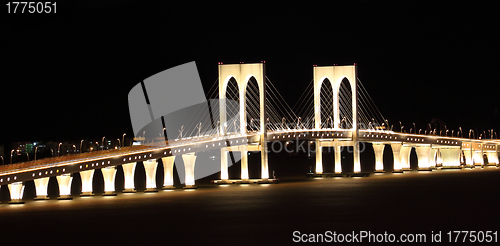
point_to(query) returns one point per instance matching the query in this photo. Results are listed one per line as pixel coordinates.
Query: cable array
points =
(369, 117)
(279, 115)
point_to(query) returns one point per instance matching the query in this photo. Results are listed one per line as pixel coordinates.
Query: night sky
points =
(67, 75)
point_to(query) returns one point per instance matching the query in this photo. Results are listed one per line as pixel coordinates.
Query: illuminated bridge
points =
(334, 111)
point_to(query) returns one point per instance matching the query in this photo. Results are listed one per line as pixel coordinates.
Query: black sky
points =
(67, 76)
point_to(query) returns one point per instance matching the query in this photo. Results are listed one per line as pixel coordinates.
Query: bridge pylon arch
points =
(335, 74)
(242, 73)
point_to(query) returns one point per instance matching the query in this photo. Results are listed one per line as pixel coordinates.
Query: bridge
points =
(248, 115)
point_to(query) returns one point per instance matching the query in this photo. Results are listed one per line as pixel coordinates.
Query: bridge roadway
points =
(63, 166)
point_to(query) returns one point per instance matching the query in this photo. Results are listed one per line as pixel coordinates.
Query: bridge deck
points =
(50, 161)
(55, 166)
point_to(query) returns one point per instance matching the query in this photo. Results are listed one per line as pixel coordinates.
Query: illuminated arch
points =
(242, 88)
(322, 82)
(248, 81)
(335, 74)
(242, 74)
(234, 85)
(339, 84)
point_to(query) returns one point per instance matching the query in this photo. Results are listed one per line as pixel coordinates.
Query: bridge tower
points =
(335, 74)
(242, 73)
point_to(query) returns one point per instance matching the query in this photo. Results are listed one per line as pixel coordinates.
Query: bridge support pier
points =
(439, 158)
(128, 173)
(423, 152)
(150, 168)
(16, 191)
(338, 157)
(478, 158)
(468, 158)
(451, 157)
(405, 157)
(109, 174)
(396, 151)
(223, 164)
(263, 157)
(433, 157)
(41, 185)
(492, 158)
(319, 157)
(378, 149)
(244, 162)
(64, 182)
(189, 162)
(87, 177)
(357, 162)
(168, 167)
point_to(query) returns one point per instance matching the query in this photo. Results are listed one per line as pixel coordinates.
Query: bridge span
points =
(433, 151)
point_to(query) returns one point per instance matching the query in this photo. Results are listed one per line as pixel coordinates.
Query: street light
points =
(58, 149)
(102, 142)
(180, 132)
(473, 133)
(298, 122)
(12, 151)
(470, 149)
(35, 151)
(123, 138)
(81, 142)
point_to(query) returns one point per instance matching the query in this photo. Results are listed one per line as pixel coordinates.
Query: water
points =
(415, 202)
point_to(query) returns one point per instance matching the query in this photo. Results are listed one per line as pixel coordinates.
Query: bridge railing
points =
(66, 158)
